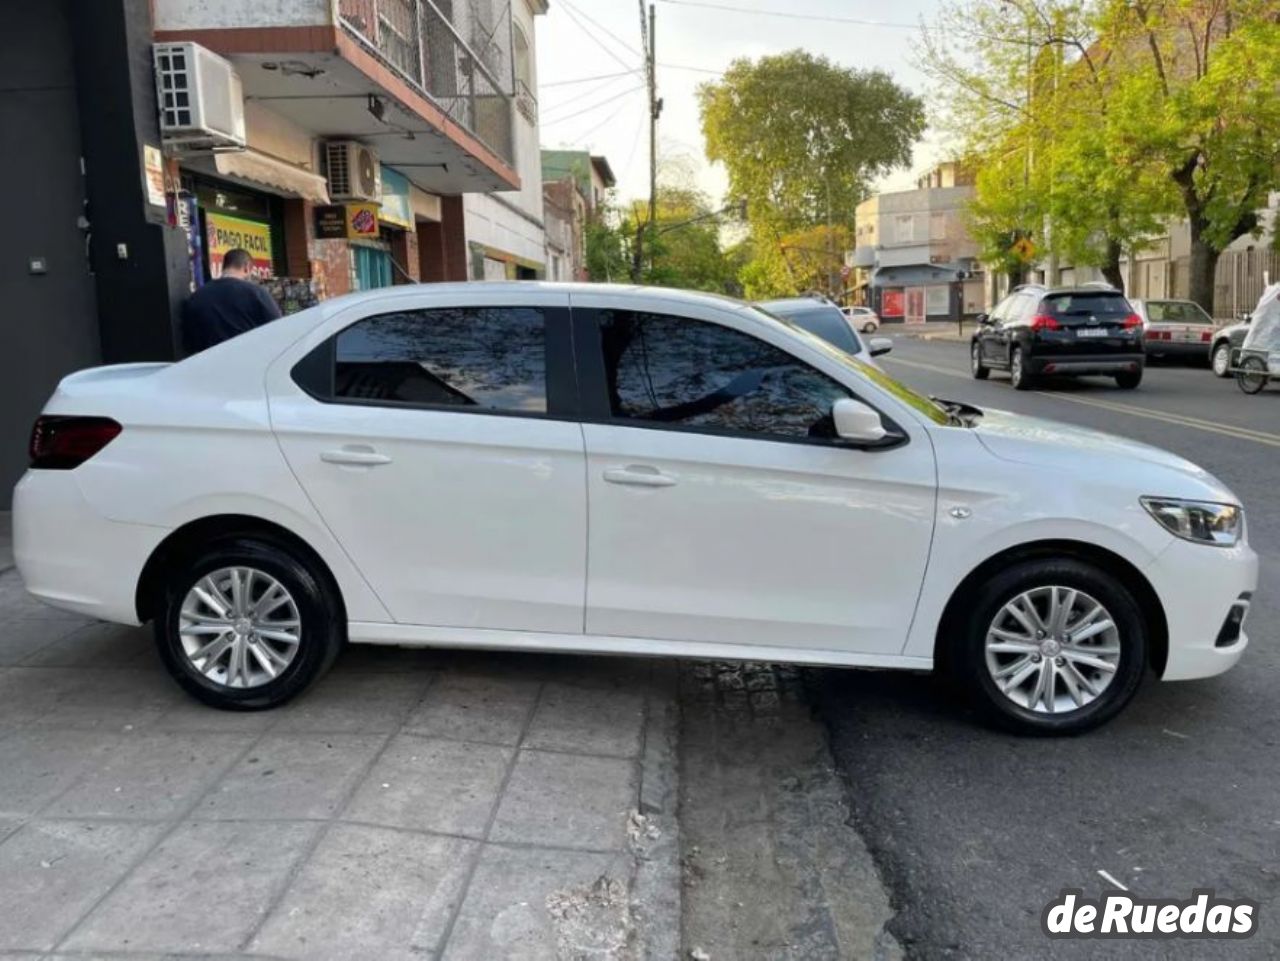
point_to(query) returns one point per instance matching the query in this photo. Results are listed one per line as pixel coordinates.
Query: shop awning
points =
(267, 173)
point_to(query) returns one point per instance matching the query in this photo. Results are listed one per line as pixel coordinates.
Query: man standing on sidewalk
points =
(226, 307)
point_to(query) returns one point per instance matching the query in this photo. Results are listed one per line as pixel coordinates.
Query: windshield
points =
(917, 402)
(1176, 312)
(821, 320)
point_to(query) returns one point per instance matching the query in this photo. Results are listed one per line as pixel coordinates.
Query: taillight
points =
(1133, 320)
(1153, 335)
(1044, 322)
(63, 443)
(1205, 337)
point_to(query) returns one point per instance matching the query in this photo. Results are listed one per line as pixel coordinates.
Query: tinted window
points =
(1006, 309)
(491, 358)
(1176, 312)
(1078, 308)
(683, 372)
(822, 321)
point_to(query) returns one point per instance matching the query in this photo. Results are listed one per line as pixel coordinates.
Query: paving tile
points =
(359, 703)
(29, 694)
(52, 872)
(432, 785)
(9, 824)
(205, 888)
(475, 707)
(566, 800)
(15, 602)
(190, 715)
(587, 720)
(369, 893)
(38, 765)
(22, 637)
(538, 905)
(389, 659)
(98, 646)
(151, 776)
(123, 699)
(292, 776)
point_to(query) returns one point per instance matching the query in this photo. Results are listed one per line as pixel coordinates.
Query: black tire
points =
(1019, 376)
(322, 625)
(1129, 379)
(1220, 360)
(967, 657)
(1252, 376)
(979, 369)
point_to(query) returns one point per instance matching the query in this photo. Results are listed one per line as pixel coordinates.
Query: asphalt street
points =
(976, 831)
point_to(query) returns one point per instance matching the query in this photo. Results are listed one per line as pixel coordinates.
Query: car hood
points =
(1052, 444)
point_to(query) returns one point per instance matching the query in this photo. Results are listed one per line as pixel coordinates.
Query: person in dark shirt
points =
(226, 307)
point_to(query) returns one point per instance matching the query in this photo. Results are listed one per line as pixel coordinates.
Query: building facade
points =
(914, 259)
(359, 144)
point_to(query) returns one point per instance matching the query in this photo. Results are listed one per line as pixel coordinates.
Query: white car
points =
(595, 468)
(863, 319)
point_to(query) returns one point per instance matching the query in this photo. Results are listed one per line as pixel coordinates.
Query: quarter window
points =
(485, 358)
(667, 370)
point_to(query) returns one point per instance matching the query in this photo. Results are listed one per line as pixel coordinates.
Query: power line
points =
(594, 39)
(594, 106)
(577, 16)
(605, 122)
(603, 76)
(788, 15)
(603, 29)
(680, 66)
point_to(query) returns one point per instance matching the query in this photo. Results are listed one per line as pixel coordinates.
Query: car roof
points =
(797, 302)
(1058, 291)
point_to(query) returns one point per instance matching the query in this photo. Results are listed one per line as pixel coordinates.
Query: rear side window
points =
(829, 324)
(1078, 308)
(697, 375)
(482, 358)
(1176, 312)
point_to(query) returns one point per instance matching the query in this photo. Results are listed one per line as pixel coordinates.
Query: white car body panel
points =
(502, 532)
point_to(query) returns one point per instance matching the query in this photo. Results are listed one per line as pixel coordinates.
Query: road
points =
(975, 831)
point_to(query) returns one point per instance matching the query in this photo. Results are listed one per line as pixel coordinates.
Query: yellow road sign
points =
(1024, 248)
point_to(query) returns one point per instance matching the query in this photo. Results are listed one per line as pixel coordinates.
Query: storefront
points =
(220, 216)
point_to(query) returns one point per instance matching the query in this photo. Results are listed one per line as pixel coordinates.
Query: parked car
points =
(1069, 331)
(1226, 344)
(864, 319)
(824, 319)
(593, 468)
(1175, 328)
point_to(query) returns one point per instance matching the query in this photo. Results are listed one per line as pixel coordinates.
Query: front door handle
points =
(355, 457)
(639, 475)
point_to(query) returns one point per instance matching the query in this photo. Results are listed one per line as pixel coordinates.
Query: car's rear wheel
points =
(980, 370)
(1052, 646)
(1129, 379)
(1018, 373)
(247, 624)
(1221, 361)
(869, 327)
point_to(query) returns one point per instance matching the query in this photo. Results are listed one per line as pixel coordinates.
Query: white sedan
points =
(595, 468)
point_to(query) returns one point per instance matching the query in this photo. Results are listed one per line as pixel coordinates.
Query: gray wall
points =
(47, 322)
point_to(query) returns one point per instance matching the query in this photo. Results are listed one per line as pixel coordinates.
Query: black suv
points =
(1069, 331)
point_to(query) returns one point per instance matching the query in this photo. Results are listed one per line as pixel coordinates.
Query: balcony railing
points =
(456, 52)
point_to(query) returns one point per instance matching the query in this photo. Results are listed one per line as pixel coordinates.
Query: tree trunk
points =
(1111, 266)
(1204, 265)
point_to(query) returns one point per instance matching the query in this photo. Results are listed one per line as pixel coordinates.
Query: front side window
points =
(686, 373)
(483, 358)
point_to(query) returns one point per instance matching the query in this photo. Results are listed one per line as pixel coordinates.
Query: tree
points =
(606, 247)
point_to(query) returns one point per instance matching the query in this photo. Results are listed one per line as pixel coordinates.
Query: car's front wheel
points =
(1221, 361)
(1052, 646)
(247, 624)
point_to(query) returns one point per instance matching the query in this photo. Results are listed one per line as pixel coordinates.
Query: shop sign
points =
(153, 164)
(891, 302)
(226, 233)
(362, 221)
(397, 207)
(331, 222)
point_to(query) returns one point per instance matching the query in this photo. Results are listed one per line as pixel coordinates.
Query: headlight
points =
(1201, 521)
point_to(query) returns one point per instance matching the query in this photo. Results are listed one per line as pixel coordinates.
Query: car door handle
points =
(355, 457)
(639, 475)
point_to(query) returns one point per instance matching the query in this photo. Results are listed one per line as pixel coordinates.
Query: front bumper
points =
(1199, 586)
(1074, 364)
(70, 556)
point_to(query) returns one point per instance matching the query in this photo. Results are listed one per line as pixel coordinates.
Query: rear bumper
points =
(1172, 348)
(1087, 363)
(70, 556)
(1198, 587)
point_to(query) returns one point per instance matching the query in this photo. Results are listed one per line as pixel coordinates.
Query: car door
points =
(992, 352)
(437, 437)
(721, 508)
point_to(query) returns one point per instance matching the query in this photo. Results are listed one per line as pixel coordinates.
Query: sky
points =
(581, 39)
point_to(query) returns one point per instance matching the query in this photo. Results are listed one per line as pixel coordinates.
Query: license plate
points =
(1092, 332)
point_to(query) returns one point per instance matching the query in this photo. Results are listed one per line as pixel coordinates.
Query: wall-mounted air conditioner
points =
(200, 98)
(353, 171)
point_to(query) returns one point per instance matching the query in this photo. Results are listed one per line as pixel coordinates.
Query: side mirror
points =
(856, 421)
(983, 319)
(878, 346)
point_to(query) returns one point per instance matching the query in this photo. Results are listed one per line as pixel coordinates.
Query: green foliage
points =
(607, 260)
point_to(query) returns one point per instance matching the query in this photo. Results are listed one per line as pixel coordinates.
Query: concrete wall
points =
(211, 14)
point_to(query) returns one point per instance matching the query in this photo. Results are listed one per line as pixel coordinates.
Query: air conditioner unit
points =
(353, 171)
(200, 98)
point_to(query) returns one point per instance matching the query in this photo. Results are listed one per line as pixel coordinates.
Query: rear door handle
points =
(639, 475)
(355, 457)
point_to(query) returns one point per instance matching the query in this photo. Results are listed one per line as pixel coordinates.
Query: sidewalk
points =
(413, 805)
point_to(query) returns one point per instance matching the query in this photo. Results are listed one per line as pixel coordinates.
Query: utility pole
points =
(649, 39)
